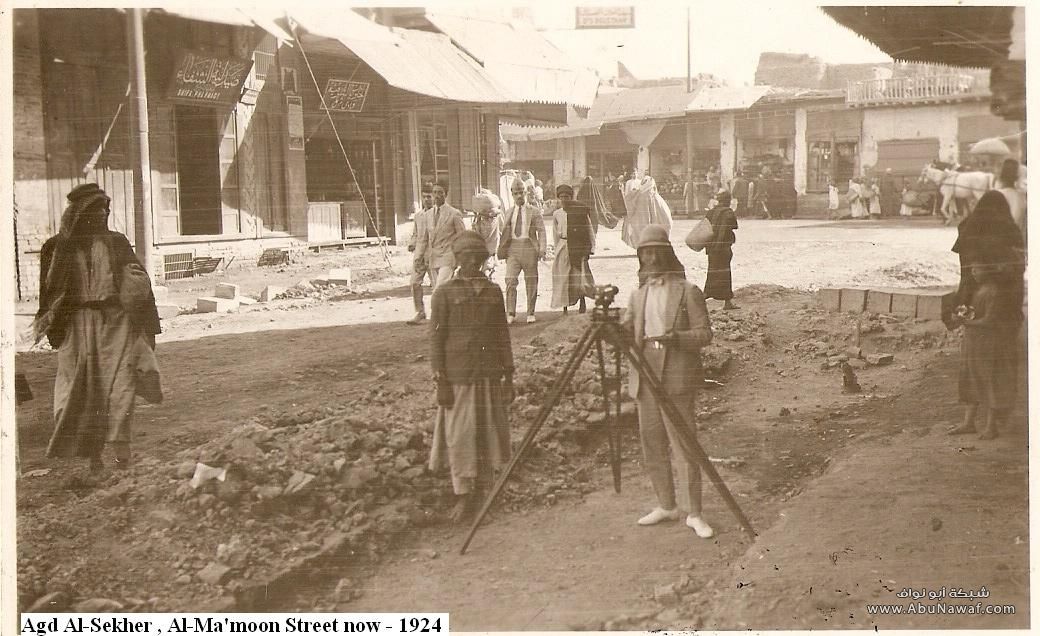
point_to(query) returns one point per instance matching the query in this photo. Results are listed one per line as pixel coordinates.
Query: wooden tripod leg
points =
(688, 443)
(614, 442)
(590, 336)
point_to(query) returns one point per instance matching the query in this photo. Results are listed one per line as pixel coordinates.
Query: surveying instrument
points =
(606, 329)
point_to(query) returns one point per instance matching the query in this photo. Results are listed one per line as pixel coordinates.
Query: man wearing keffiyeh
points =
(668, 321)
(97, 310)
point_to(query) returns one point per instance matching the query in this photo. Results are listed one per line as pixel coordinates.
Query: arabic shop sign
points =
(605, 18)
(345, 96)
(202, 78)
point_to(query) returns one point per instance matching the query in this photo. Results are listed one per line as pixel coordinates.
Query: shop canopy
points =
(970, 36)
(229, 15)
(421, 63)
(520, 57)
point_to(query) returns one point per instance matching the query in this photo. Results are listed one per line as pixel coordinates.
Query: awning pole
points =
(139, 149)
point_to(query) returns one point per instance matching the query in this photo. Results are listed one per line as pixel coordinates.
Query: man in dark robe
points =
(739, 192)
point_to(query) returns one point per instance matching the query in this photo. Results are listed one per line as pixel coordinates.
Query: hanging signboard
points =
(605, 18)
(203, 78)
(345, 96)
(294, 111)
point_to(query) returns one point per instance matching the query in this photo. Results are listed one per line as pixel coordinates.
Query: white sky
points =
(727, 37)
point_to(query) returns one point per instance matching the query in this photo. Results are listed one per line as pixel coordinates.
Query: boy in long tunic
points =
(472, 359)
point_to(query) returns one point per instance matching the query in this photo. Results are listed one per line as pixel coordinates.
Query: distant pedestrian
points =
(445, 224)
(889, 194)
(719, 281)
(667, 321)
(574, 241)
(521, 246)
(739, 191)
(833, 200)
(472, 359)
(98, 311)
(857, 205)
(872, 196)
(419, 245)
(990, 347)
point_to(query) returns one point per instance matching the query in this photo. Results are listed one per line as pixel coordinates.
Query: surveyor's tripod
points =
(606, 327)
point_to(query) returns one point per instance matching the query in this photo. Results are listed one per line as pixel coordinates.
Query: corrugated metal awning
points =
(415, 61)
(722, 98)
(969, 36)
(521, 58)
(229, 15)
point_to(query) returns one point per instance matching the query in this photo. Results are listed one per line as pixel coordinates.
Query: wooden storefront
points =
(832, 138)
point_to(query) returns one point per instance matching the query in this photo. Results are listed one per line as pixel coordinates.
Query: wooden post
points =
(139, 148)
(691, 195)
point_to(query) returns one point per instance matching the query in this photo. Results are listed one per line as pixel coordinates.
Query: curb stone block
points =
(930, 306)
(270, 292)
(212, 304)
(829, 299)
(904, 304)
(879, 302)
(853, 300)
(340, 276)
(226, 290)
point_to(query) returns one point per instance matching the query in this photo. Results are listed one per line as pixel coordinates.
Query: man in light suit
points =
(445, 224)
(419, 245)
(667, 320)
(521, 246)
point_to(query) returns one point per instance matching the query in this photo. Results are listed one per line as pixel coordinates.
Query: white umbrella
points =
(991, 146)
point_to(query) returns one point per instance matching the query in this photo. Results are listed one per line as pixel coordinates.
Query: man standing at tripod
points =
(667, 320)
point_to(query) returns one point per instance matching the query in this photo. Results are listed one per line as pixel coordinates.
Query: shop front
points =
(833, 148)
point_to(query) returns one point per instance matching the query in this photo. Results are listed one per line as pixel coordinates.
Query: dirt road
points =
(816, 480)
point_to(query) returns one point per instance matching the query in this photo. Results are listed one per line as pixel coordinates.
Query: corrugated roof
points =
(518, 56)
(228, 15)
(415, 61)
(971, 36)
(722, 98)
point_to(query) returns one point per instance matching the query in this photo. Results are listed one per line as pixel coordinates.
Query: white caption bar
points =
(290, 623)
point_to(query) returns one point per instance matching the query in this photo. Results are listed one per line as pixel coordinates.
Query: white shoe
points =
(700, 526)
(657, 515)
(510, 318)
(531, 318)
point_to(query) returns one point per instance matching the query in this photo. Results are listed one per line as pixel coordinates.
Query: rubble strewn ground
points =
(321, 430)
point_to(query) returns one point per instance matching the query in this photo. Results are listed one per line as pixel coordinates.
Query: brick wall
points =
(30, 157)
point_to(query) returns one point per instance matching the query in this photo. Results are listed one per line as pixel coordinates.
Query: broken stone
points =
(304, 285)
(269, 492)
(243, 449)
(212, 304)
(339, 464)
(226, 290)
(880, 359)
(298, 482)
(96, 605)
(429, 553)
(666, 594)
(784, 411)
(857, 363)
(214, 574)
(53, 602)
(271, 292)
(854, 352)
(204, 473)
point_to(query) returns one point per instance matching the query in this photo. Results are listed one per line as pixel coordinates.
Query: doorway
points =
(198, 168)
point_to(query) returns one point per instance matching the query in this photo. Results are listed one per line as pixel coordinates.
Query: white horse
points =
(960, 190)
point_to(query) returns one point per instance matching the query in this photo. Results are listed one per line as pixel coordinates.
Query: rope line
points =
(342, 148)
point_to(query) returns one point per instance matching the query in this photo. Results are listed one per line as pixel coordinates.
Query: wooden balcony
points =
(901, 90)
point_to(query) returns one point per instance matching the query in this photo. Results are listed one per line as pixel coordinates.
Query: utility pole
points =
(689, 70)
(139, 149)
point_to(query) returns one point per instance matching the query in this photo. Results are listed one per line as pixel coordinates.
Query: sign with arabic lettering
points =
(345, 96)
(202, 78)
(605, 18)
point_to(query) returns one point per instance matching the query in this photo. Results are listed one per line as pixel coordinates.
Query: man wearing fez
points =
(419, 245)
(521, 246)
(668, 321)
(472, 359)
(445, 225)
